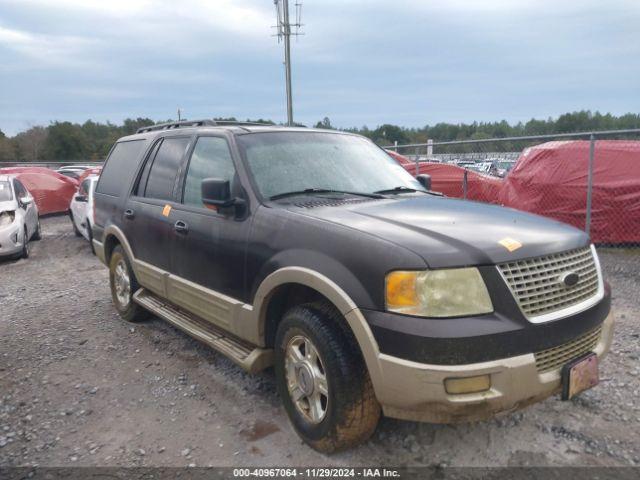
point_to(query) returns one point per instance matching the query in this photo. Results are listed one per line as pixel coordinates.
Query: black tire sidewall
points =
(75, 228)
(90, 233)
(38, 234)
(25, 244)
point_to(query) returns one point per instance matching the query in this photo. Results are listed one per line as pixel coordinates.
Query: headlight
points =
(437, 293)
(7, 218)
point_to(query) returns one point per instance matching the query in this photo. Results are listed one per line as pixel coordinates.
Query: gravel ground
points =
(79, 386)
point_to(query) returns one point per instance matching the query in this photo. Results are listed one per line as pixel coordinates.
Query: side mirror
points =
(216, 192)
(81, 198)
(26, 200)
(425, 180)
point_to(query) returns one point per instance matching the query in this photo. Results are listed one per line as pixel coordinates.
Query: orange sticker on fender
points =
(166, 210)
(510, 244)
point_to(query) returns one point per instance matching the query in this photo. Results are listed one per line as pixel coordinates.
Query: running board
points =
(252, 359)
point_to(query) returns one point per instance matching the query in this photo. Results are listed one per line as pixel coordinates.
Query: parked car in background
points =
(19, 220)
(81, 209)
(465, 163)
(73, 171)
(482, 167)
(502, 167)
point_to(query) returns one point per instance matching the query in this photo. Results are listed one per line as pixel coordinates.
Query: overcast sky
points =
(408, 62)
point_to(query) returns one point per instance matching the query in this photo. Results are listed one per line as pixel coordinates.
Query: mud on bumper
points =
(416, 391)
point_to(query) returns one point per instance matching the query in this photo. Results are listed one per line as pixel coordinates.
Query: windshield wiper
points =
(400, 189)
(307, 191)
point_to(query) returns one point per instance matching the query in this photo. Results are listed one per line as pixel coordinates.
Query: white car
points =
(73, 171)
(81, 208)
(19, 221)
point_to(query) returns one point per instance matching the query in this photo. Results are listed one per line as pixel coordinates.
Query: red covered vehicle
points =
(51, 191)
(449, 179)
(551, 180)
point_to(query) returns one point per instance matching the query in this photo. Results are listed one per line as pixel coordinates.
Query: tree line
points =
(91, 141)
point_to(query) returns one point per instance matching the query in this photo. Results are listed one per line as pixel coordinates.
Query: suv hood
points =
(449, 232)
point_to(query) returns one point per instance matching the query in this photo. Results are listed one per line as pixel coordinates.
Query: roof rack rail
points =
(200, 123)
(171, 125)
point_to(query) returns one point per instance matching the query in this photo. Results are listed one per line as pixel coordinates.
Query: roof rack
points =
(199, 123)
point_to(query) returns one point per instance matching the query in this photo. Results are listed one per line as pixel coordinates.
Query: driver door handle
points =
(181, 227)
(128, 213)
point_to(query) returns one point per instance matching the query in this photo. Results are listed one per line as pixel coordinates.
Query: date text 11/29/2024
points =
(316, 472)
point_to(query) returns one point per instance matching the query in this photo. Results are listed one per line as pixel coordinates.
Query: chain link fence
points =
(590, 180)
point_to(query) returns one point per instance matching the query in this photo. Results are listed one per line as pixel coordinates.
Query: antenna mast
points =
(285, 29)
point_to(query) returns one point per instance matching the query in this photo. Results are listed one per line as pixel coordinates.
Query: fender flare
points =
(332, 291)
(114, 231)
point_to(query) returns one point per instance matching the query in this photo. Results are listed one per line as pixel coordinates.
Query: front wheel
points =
(123, 285)
(322, 379)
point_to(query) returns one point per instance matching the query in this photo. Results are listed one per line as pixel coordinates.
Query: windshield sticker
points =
(166, 210)
(510, 244)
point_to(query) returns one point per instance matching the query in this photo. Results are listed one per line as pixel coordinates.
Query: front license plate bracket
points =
(579, 375)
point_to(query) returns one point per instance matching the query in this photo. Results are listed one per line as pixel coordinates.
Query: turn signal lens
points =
(401, 290)
(478, 384)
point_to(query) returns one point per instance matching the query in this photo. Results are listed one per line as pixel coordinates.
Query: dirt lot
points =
(78, 386)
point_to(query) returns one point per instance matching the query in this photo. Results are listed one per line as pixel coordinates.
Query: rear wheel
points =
(90, 233)
(25, 244)
(123, 285)
(37, 235)
(322, 379)
(75, 228)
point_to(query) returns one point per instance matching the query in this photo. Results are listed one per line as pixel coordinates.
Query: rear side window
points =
(119, 167)
(210, 159)
(162, 176)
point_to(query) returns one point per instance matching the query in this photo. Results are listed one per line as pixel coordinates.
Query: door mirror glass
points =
(216, 192)
(425, 181)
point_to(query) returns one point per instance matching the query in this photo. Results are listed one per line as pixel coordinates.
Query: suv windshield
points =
(5, 192)
(283, 162)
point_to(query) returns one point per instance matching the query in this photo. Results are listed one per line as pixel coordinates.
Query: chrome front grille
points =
(537, 286)
(555, 357)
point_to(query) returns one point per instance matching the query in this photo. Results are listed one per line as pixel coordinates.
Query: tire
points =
(75, 228)
(38, 233)
(123, 284)
(348, 413)
(90, 232)
(25, 245)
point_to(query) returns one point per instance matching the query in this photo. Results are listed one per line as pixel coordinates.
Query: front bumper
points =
(7, 244)
(415, 391)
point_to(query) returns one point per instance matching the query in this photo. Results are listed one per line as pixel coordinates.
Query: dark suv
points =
(314, 252)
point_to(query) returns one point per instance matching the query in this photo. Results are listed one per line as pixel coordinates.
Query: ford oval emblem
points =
(569, 279)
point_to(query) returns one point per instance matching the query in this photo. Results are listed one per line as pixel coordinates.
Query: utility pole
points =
(284, 32)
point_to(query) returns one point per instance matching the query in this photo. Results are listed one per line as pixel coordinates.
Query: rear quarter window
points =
(119, 167)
